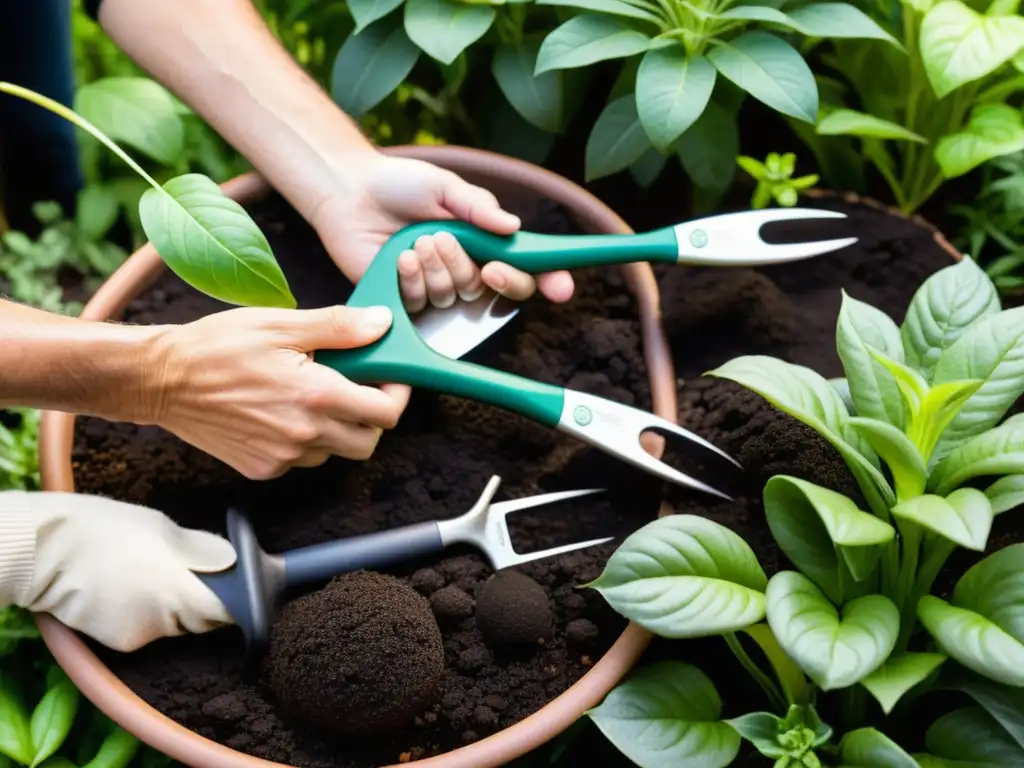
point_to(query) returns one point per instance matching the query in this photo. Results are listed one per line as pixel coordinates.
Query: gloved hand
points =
(119, 573)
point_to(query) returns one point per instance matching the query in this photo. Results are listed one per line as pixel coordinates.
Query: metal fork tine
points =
(505, 507)
(514, 558)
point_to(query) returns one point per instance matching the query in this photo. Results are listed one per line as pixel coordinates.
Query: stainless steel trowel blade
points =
(457, 329)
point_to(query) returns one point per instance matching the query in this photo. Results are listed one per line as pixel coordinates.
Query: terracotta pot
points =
(518, 185)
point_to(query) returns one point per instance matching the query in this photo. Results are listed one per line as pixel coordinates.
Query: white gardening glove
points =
(119, 573)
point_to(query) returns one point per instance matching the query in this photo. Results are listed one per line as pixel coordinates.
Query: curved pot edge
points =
(143, 267)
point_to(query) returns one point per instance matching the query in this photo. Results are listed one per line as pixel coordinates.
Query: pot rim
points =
(109, 694)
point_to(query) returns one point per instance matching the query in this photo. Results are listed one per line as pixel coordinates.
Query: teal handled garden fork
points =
(402, 356)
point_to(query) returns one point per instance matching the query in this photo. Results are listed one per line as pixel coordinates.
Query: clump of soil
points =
(362, 655)
(512, 609)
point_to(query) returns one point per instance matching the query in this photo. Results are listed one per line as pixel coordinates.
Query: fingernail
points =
(377, 317)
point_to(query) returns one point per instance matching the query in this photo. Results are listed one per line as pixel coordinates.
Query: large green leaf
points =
(983, 628)
(209, 241)
(838, 20)
(898, 675)
(1004, 703)
(814, 527)
(685, 576)
(136, 111)
(15, 736)
(945, 305)
(770, 70)
(707, 150)
(909, 472)
(849, 122)
(53, 717)
(370, 65)
(445, 28)
(834, 651)
(999, 451)
(617, 139)
(672, 90)
(873, 389)
(1006, 493)
(540, 99)
(959, 45)
(964, 517)
(587, 39)
(868, 748)
(972, 735)
(613, 7)
(667, 714)
(365, 12)
(994, 130)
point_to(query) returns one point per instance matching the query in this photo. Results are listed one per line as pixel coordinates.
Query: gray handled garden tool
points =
(252, 588)
(402, 355)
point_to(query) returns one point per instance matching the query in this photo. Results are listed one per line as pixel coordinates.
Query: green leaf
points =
(868, 748)
(938, 408)
(790, 676)
(370, 65)
(898, 675)
(838, 20)
(15, 738)
(672, 90)
(814, 527)
(684, 576)
(1006, 493)
(617, 139)
(964, 517)
(135, 111)
(770, 70)
(873, 389)
(994, 130)
(908, 468)
(667, 714)
(972, 735)
(958, 45)
(365, 12)
(539, 99)
(209, 241)
(999, 451)
(849, 122)
(834, 652)
(96, 212)
(707, 150)
(764, 13)
(1004, 703)
(587, 39)
(52, 719)
(762, 729)
(445, 28)
(648, 167)
(946, 304)
(613, 7)
(983, 628)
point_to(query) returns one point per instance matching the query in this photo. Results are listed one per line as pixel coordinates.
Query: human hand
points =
(123, 574)
(382, 194)
(242, 386)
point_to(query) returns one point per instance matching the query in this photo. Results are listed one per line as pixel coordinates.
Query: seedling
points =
(917, 421)
(775, 180)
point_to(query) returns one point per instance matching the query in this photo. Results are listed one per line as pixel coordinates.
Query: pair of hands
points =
(241, 385)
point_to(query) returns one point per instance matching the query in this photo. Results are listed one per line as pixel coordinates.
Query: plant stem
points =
(771, 690)
(936, 551)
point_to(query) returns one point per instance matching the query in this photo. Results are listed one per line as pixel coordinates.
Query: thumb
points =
(202, 551)
(337, 327)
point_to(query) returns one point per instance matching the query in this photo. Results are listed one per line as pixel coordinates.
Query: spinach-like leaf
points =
(999, 451)
(964, 517)
(53, 717)
(908, 469)
(898, 675)
(868, 748)
(685, 576)
(972, 735)
(1006, 493)
(15, 738)
(814, 527)
(1004, 703)
(834, 652)
(667, 714)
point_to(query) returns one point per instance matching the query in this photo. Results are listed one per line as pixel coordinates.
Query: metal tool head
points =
(485, 526)
(455, 330)
(617, 428)
(734, 239)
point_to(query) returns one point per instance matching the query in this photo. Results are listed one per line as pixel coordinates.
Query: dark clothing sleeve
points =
(92, 7)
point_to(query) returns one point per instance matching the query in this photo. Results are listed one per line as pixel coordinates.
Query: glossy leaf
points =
(15, 737)
(834, 651)
(370, 65)
(873, 389)
(849, 122)
(587, 39)
(365, 12)
(790, 676)
(445, 28)
(939, 407)
(1006, 493)
(838, 20)
(943, 307)
(672, 90)
(958, 45)
(209, 241)
(815, 526)
(539, 99)
(972, 735)
(52, 719)
(684, 576)
(1004, 703)
(617, 139)
(898, 675)
(707, 150)
(964, 517)
(612, 7)
(667, 714)
(842, 388)
(999, 451)
(868, 748)
(770, 70)
(994, 130)
(761, 729)
(908, 468)
(135, 111)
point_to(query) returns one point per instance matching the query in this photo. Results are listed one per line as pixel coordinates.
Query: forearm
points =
(222, 60)
(61, 363)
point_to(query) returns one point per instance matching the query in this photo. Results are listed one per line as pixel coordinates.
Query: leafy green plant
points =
(932, 110)
(917, 420)
(775, 180)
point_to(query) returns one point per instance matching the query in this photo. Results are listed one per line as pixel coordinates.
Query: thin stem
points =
(771, 690)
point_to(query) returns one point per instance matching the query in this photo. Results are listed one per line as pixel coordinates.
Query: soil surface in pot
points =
(434, 465)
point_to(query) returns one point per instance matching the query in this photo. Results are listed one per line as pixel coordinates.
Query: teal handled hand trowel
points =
(403, 356)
